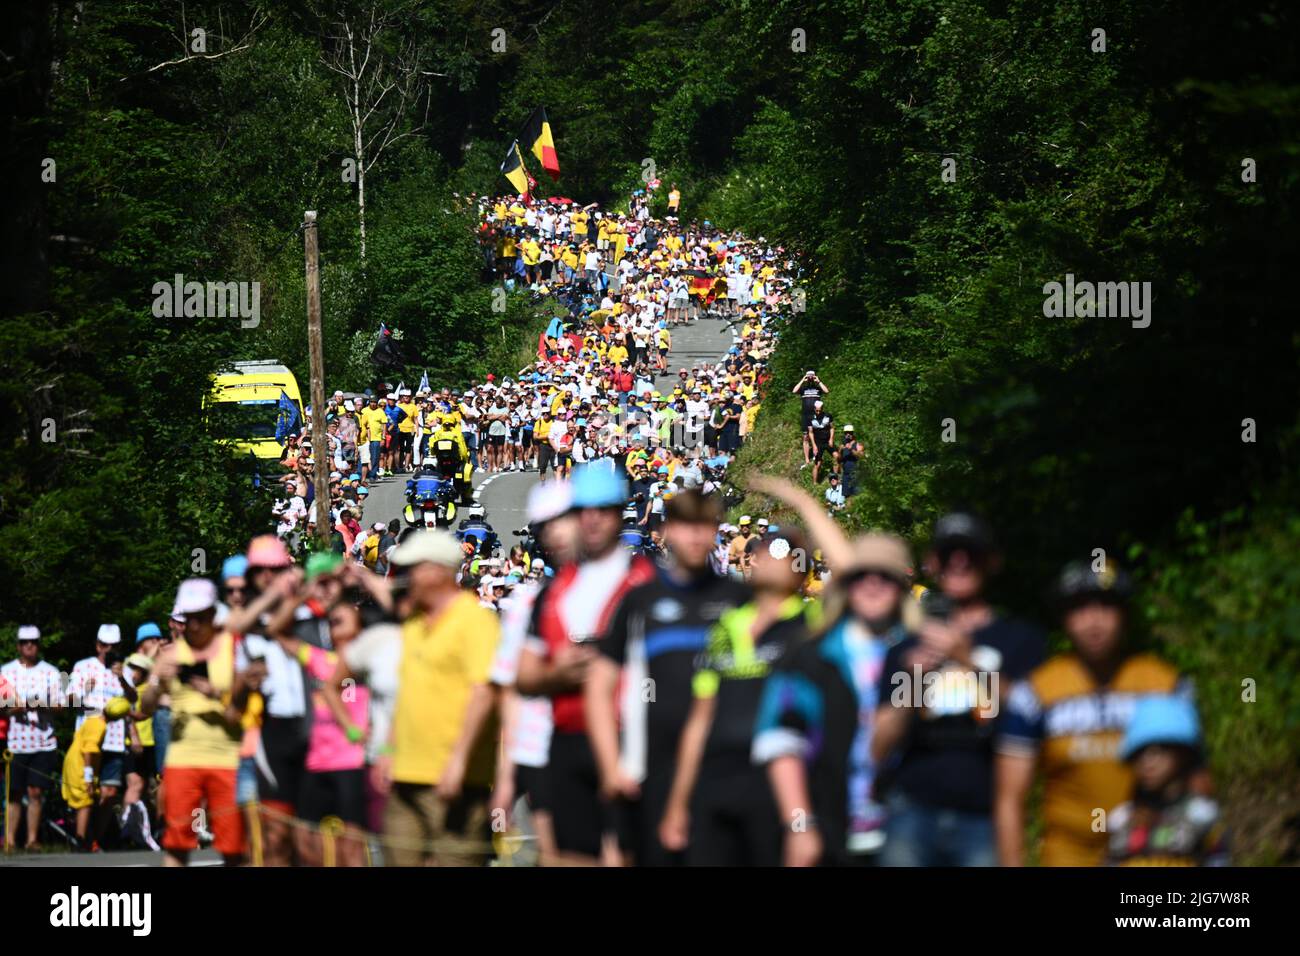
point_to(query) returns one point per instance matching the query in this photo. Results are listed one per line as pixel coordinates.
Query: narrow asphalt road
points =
(504, 496)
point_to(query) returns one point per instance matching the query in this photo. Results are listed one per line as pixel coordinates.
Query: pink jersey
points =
(329, 748)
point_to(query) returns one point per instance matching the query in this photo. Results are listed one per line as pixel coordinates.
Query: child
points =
(1165, 823)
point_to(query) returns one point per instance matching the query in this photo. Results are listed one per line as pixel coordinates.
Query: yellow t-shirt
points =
(508, 248)
(200, 737)
(618, 355)
(373, 421)
(145, 729)
(441, 664)
(532, 252)
(407, 424)
(579, 221)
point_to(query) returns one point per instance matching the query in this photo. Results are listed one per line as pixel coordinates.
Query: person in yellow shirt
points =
(532, 253)
(579, 221)
(663, 344)
(617, 353)
(602, 234)
(507, 254)
(81, 765)
(373, 423)
(406, 428)
(444, 728)
(446, 442)
(570, 257)
(620, 245)
(208, 698)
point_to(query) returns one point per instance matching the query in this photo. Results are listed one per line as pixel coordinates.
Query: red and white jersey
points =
(106, 686)
(32, 731)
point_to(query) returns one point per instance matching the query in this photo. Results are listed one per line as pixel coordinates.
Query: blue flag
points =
(286, 418)
(424, 382)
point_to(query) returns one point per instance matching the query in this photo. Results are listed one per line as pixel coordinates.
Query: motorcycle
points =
(430, 502)
(637, 540)
(475, 529)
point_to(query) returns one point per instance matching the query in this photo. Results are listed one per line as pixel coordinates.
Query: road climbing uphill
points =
(535, 636)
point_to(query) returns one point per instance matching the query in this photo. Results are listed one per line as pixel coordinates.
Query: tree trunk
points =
(361, 164)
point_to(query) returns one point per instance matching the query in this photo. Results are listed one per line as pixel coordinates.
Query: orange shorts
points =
(207, 789)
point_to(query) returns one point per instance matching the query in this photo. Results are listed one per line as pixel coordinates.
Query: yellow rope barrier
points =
(331, 828)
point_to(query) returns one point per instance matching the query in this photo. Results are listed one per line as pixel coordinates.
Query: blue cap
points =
(1161, 719)
(234, 567)
(147, 630)
(597, 485)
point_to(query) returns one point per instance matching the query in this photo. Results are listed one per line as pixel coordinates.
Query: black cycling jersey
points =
(671, 622)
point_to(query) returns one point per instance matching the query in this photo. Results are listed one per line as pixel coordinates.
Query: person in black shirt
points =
(721, 808)
(821, 435)
(652, 642)
(940, 693)
(849, 454)
(810, 390)
(729, 434)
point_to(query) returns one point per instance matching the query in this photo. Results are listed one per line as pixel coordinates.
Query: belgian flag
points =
(537, 134)
(512, 168)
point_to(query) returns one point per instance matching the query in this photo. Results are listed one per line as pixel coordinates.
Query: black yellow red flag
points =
(512, 168)
(537, 136)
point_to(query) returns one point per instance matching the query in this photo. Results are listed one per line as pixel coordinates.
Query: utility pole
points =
(320, 449)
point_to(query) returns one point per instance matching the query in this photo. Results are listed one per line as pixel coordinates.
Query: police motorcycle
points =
(430, 500)
(476, 530)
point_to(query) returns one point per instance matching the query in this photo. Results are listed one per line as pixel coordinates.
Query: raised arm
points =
(834, 542)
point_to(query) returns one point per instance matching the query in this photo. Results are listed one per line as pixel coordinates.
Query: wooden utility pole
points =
(320, 448)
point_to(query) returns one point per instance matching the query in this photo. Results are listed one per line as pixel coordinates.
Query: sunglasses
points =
(874, 576)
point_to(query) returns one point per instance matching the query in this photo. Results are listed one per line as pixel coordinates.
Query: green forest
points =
(934, 163)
